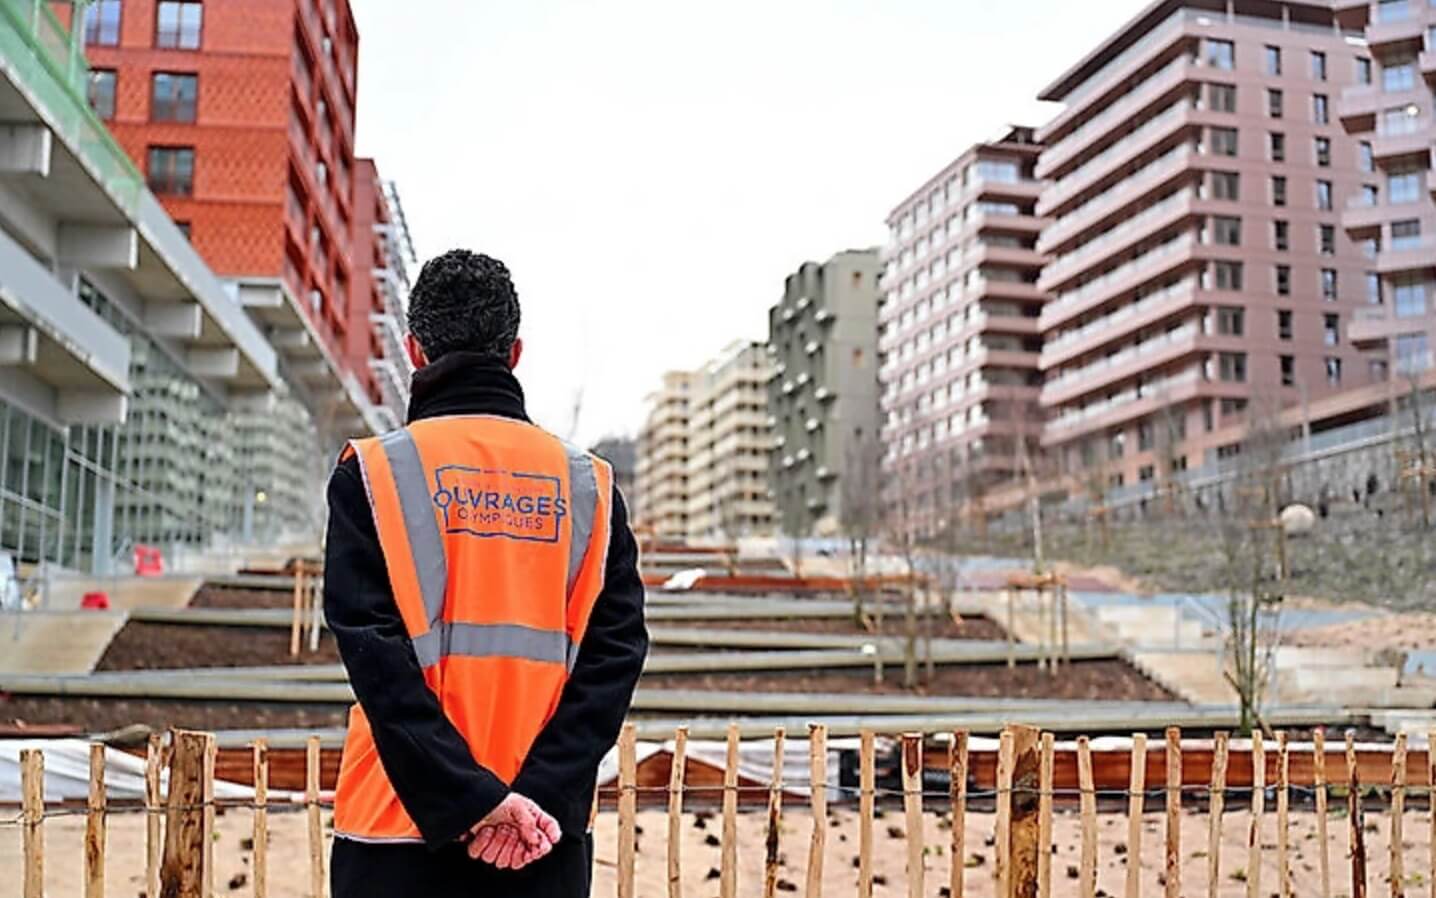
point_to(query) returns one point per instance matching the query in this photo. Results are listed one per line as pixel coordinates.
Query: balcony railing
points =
(1126, 190)
(1117, 359)
(1113, 320)
(1135, 224)
(1070, 417)
(1071, 298)
(1152, 126)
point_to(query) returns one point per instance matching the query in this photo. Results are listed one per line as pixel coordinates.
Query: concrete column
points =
(103, 533)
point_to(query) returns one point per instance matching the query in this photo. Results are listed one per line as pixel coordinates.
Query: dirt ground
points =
(973, 627)
(700, 851)
(149, 646)
(224, 597)
(1405, 631)
(100, 715)
(1108, 680)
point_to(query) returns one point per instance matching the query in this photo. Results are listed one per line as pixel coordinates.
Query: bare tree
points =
(903, 525)
(859, 512)
(1419, 468)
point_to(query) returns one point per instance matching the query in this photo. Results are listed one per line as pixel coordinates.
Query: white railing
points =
(1156, 123)
(1072, 417)
(1074, 297)
(1066, 261)
(1135, 351)
(1110, 321)
(1123, 190)
(1121, 107)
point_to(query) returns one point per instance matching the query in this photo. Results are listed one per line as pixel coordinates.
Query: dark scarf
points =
(466, 383)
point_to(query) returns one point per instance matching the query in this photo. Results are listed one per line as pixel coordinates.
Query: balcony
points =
(823, 316)
(1414, 142)
(1115, 156)
(1073, 383)
(1371, 325)
(1427, 62)
(1124, 406)
(1411, 30)
(1361, 215)
(1151, 265)
(984, 288)
(1012, 256)
(1358, 106)
(1413, 257)
(1143, 313)
(1155, 174)
(1151, 220)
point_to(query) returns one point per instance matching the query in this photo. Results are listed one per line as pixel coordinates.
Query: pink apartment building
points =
(1197, 267)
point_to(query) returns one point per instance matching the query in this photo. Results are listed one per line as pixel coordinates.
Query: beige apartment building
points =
(1197, 265)
(704, 451)
(958, 339)
(1391, 111)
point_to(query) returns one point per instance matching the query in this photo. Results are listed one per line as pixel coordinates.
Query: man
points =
(482, 584)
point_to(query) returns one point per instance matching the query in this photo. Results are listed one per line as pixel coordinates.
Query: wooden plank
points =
(1173, 852)
(1136, 790)
(728, 864)
(1397, 876)
(1318, 776)
(1044, 817)
(154, 760)
(182, 871)
(775, 817)
(1431, 803)
(957, 792)
(1087, 870)
(1024, 824)
(1011, 627)
(95, 825)
(316, 826)
(1254, 847)
(627, 809)
(298, 613)
(866, 784)
(1216, 804)
(261, 818)
(675, 812)
(1283, 814)
(207, 798)
(1357, 827)
(32, 813)
(1003, 837)
(818, 786)
(912, 807)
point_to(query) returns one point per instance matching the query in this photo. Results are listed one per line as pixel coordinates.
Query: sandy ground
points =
(289, 858)
(1402, 631)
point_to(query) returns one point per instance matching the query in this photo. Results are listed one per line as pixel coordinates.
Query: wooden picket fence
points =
(179, 864)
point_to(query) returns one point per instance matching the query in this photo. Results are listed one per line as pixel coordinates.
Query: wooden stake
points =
(1354, 816)
(1023, 823)
(154, 761)
(316, 610)
(1318, 781)
(866, 783)
(1003, 840)
(818, 799)
(627, 809)
(207, 797)
(675, 813)
(1174, 813)
(1044, 818)
(1066, 642)
(316, 826)
(1283, 814)
(1087, 872)
(261, 818)
(1216, 804)
(95, 825)
(957, 791)
(1431, 806)
(775, 817)
(912, 807)
(182, 873)
(1398, 808)
(728, 865)
(32, 812)
(1254, 851)
(1011, 628)
(1136, 790)
(294, 624)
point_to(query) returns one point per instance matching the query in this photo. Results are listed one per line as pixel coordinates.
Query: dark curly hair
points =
(464, 302)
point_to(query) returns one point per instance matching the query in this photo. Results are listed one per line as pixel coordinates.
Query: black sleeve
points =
(561, 766)
(427, 760)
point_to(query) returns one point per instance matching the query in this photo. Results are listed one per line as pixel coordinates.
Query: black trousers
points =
(363, 870)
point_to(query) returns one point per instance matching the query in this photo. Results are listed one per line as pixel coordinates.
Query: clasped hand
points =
(514, 834)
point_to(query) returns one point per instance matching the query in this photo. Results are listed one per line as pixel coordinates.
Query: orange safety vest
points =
(495, 534)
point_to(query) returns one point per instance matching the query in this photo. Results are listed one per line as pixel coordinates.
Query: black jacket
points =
(436, 778)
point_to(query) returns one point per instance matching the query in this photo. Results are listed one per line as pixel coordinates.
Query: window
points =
(171, 170)
(1398, 75)
(1277, 144)
(1288, 370)
(1145, 436)
(1413, 353)
(1331, 329)
(1323, 196)
(1227, 230)
(1283, 324)
(1408, 294)
(1232, 366)
(1326, 239)
(1378, 370)
(1281, 235)
(1318, 65)
(173, 97)
(1221, 54)
(1363, 70)
(1406, 234)
(1222, 97)
(1323, 151)
(1227, 275)
(101, 92)
(1320, 109)
(1278, 190)
(1226, 185)
(1230, 320)
(1273, 103)
(1373, 289)
(178, 24)
(1365, 158)
(1401, 120)
(1370, 196)
(1273, 60)
(1404, 187)
(1283, 280)
(1392, 10)
(1328, 284)
(1224, 141)
(102, 23)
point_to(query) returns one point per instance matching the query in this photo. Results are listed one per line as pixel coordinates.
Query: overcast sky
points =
(651, 170)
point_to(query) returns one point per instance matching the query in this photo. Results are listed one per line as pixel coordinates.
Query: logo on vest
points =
(508, 504)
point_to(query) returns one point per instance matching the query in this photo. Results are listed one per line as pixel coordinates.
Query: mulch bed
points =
(225, 597)
(976, 627)
(99, 715)
(151, 646)
(1083, 680)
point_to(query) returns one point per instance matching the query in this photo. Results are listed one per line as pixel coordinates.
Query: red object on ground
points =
(148, 561)
(96, 601)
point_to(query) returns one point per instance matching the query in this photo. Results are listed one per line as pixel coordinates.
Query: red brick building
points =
(241, 116)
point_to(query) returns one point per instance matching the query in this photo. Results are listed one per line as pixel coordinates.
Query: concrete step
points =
(1319, 680)
(1293, 656)
(1195, 676)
